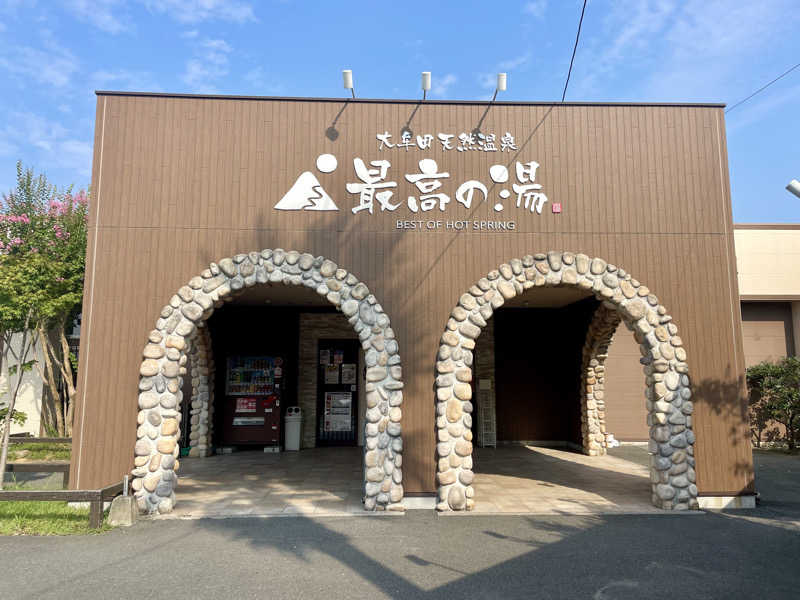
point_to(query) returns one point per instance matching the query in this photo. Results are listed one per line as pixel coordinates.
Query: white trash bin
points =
(293, 423)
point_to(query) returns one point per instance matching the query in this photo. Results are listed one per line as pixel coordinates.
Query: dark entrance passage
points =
(255, 349)
(538, 354)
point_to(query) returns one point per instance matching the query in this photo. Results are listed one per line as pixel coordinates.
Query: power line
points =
(761, 89)
(575, 49)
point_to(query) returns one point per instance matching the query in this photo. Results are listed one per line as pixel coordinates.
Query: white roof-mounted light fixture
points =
(794, 187)
(426, 84)
(347, 79)
(502, 84)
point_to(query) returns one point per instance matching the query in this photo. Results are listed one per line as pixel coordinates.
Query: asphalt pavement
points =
(735, 554)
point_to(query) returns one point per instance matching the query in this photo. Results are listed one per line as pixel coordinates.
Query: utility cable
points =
(574, 50)
(761, 89)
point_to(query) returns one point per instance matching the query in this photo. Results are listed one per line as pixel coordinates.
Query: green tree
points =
(777, 386)
(760, 411)
(46, 228)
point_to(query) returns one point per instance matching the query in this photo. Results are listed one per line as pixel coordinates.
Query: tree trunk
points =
(49, 409)
(48, 352)
(6, 420)
(67, 374)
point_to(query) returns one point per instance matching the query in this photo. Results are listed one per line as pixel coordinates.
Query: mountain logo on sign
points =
(307, 192)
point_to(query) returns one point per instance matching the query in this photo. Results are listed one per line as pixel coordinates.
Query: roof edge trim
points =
(400, 101)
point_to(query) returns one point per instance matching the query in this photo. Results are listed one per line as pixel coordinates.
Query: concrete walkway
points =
(327, 481)
(319, 481)
(550, 481)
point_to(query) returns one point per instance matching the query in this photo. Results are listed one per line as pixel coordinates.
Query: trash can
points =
(293, 423)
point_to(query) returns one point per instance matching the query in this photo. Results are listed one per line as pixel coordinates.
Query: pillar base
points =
(726, 502)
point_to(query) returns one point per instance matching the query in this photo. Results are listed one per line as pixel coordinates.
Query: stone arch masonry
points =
(180, 333)
(668, 390)
(593, 406)
(201, 415)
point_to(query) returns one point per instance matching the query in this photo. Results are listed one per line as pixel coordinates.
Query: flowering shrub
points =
(42, 263)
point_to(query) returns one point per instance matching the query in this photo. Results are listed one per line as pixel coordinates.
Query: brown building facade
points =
(407, 225)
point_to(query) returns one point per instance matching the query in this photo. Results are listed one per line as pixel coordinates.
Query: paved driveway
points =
(737, 554)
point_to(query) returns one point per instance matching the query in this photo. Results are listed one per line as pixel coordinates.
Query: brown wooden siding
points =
(180, 182)
(626, 413)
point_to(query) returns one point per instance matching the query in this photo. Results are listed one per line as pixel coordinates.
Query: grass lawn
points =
(44, 518)
(39, 452)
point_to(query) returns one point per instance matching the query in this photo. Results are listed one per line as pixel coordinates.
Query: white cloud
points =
(440, 86)
(709, 46)
(124, 80)
(7, 148)
(51, 65)
(209, 65)
(216, 50)
(196, 11)
(262, 83)
(514, 63)
(761, 106)
(98, 13)
(112, 16)
(488, 81)
(677, 50)
(55, 145)
(200, 76)
(190, 35)
(536, 8)
(75, 154)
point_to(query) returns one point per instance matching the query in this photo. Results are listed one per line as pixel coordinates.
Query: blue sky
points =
(56, 53)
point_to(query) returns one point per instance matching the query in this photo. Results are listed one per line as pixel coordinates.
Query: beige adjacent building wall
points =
(29, 398)
(768, 262)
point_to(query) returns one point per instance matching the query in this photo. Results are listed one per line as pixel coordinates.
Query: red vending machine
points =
(253, 401)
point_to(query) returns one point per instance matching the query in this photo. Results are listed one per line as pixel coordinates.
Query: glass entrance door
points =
(337, 392)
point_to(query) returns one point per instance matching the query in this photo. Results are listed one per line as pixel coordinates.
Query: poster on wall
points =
(338, 411)
(324, 357)
(245, 405)
(331, 374)
(338, 357)
(348, 373)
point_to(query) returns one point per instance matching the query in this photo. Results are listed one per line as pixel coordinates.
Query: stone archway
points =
(668, 391)
(593, 406)
(180, 334)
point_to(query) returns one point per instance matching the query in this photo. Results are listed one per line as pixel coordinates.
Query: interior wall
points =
(538, 354)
